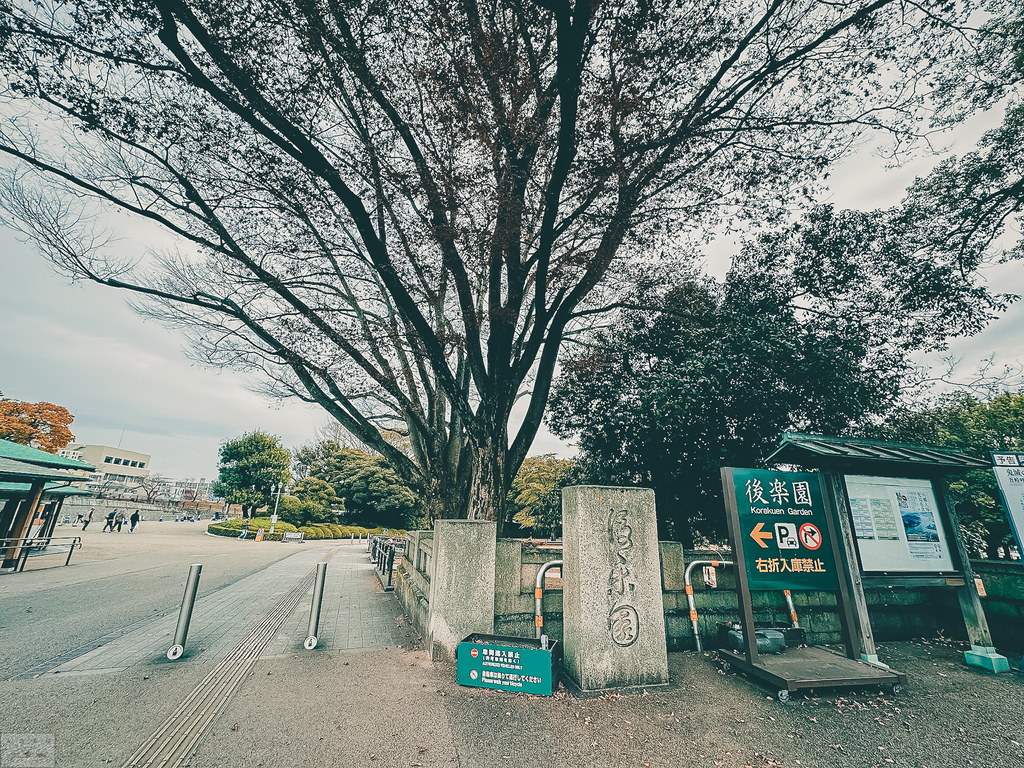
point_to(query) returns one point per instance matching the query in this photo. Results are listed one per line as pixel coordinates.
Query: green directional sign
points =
(783, 531)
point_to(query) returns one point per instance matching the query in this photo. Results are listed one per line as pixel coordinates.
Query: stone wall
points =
(75, 504)
(1004, 600)
(897, 613)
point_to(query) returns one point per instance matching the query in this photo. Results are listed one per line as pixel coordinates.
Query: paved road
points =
(84, 675)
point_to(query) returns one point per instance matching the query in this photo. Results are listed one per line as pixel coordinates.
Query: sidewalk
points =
(368, 695)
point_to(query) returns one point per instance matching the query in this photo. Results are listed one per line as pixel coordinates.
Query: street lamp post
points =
(273, 517)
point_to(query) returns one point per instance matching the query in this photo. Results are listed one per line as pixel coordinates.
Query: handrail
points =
(27, 544)
(693, 606)
(689, 594)
(538, 595)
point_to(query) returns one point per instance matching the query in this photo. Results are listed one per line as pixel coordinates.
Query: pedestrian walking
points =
(109, 522)
(118, 520)
(134, 520)
(88, 519)
(79, 518)
(245, 529)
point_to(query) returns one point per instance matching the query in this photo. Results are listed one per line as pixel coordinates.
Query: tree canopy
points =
(372, 491)
(310, 500)
(250, 467)
(399, 210)
(40, 425)
(977, 427)
(664, 402)
(536, 493)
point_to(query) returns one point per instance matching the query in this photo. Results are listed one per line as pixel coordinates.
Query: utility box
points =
(508, 663)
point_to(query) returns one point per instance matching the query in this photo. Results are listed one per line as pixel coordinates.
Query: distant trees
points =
(977, 427)
(250, 466)
(371, 489)
(41, 425)
(310, 500)
(536, 493)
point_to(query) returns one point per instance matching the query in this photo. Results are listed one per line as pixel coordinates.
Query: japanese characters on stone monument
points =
(613, 616)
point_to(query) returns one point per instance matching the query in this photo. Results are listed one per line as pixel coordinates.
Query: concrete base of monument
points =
(986, 658)
(622, 690)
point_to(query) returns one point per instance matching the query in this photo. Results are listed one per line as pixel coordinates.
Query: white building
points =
(113, 465)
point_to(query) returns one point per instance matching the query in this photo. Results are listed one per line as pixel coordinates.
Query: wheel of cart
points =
(783, 695)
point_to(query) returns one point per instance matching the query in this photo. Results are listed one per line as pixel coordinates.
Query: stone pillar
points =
(462, 584)
(613, 617)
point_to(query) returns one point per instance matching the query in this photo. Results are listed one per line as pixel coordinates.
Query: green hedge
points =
(233, 527)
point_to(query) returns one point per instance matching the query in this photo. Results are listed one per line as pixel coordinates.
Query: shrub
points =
(233, 527)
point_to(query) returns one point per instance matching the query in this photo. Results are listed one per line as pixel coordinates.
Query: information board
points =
(784, 531)
(1009, 471)
(897, 525)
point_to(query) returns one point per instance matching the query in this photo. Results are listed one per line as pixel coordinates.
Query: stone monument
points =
(461, 584)
(614, 621)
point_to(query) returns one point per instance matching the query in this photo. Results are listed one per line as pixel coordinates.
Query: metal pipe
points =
(792, 609)
(689, 594)
(76, 543)
(314, 610)
(538, 595)
(693, 605)
(185, 614)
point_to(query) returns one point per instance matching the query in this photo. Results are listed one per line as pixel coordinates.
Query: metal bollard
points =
(185, 615)
(314, 610)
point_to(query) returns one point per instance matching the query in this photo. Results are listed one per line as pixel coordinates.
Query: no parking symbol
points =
(810, 536)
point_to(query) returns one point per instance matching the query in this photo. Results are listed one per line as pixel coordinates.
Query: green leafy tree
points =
(371, 489)
(537, 493)
(977, 427)
(399, 210)
(250, 467)
(665, 399)
(318, 500)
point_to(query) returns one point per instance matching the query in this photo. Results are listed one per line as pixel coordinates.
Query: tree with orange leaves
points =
(40, 425)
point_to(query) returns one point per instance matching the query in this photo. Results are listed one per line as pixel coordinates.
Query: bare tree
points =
(399, 210)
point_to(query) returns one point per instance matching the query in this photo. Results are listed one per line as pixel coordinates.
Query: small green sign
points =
(506, 663)
(784, 531)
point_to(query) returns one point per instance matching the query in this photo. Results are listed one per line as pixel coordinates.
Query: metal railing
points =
(36, 546)
(384, 551)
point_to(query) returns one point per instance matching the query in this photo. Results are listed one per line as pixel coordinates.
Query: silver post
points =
(185, 615)
(314, 610)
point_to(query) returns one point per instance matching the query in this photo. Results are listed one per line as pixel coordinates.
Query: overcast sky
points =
(128, 382)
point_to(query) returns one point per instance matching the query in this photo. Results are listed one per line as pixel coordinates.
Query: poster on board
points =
(896, 525)
(1009, 471)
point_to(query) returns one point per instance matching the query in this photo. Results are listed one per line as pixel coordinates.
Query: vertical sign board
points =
(1009, 471)
(784, 531)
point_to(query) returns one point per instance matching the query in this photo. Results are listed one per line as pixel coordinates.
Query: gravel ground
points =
(393, 707)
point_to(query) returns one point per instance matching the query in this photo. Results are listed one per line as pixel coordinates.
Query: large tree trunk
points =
(486, 498)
